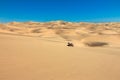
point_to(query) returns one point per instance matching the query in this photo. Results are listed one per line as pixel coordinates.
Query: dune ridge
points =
(78, 33)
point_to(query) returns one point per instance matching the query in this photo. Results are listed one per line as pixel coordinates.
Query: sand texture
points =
(38, 51)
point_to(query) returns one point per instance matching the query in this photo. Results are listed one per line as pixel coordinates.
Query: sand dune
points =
(75, 32)
(38, 51)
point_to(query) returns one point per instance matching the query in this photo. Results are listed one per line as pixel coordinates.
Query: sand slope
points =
(38, 51)
(29, 58)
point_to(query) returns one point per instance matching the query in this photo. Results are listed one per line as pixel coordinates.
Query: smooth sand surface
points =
(32, 58)
(38, 51)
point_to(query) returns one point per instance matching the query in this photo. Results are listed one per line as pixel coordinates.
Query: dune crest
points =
(69, 31)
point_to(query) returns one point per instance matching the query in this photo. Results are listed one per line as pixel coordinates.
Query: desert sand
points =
(38, 51)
